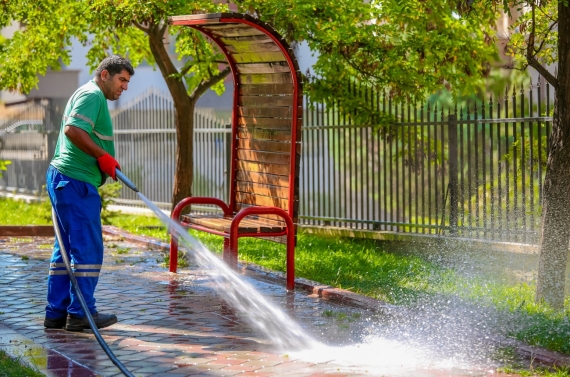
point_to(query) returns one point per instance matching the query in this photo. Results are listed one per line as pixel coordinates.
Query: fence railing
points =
(473, 169)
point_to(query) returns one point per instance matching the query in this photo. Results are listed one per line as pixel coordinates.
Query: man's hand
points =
(109, 165)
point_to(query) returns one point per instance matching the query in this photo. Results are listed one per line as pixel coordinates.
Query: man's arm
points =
(83, 141)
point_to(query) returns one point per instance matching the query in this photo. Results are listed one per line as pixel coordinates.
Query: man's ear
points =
(105, 75)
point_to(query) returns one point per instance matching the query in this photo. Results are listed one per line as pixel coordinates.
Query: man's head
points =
(113, 75)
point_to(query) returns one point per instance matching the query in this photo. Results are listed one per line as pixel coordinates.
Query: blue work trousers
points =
(77, 205)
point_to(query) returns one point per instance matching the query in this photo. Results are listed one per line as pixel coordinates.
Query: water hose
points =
(73, 280)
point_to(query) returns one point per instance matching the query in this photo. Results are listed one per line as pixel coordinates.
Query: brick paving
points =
(169, 324)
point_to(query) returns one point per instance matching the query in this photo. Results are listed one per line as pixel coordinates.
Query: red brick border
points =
(27, 231)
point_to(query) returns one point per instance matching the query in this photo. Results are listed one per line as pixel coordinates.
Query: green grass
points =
(14, 368)
(362, 266)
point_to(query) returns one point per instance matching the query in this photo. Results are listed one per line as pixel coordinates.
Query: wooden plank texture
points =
(261, 200)
(264, 145)
(260, 189)
(257, 167)
(223, 224)
(236, 32)
(266, 78)
(265, 112)
(263, 134)
(253, 47)
(259, 57)
(263, 157)
(266, 101)
(268, 179)
(279, 67)
(260, 89)
(244, 41)
(269, 123)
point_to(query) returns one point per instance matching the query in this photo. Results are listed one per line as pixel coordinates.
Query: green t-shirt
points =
(88, 110)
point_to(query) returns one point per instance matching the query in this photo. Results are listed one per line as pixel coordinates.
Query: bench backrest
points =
(267, 113)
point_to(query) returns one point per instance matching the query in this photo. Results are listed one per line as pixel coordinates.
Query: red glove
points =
(108, 164)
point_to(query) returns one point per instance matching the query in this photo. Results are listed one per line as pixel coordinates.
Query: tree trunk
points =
(184, 116)
(555, 233)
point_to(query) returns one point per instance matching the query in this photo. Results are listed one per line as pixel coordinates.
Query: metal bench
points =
(265, 150)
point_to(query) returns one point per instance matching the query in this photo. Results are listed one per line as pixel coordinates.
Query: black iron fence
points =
(472, 169)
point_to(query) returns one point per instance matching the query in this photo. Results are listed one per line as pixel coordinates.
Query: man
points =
(82, 161)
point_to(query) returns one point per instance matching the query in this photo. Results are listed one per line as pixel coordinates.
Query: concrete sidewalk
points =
(171, 324)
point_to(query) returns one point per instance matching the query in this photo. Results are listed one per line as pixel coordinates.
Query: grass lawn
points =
(362, 266)
(13, 368)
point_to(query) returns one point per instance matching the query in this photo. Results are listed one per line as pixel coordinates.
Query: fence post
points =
(228, 161)
(453, 172)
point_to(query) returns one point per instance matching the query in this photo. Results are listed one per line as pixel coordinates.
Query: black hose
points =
(104, 345)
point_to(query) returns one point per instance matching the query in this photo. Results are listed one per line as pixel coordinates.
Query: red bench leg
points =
(173, 253)
(290, 285)
(231, 256)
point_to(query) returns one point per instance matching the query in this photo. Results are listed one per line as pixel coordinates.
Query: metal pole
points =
(453, 172)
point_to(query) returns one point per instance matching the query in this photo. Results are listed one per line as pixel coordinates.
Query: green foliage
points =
(108, 192)
(412, 48)
(3, 166)
(120, 27)
(14, 367)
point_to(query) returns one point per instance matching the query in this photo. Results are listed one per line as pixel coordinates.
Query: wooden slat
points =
(246, 41)
(263, 134)
(261, 200)
(253, 47)
(266, 78)
(264, 145)
(265, 112)
(259, 57)
(260, 89)
(257, 167)
(223, 224)
(266, 101)
(265, 190)
(225, 26)
(279, 67)
(270, 218)
(269, 179)
(269, 123)
(236, 32)
(263, 157)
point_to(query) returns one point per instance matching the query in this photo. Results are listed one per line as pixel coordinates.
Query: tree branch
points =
(140, 27)
(531, 56)
(204, 85)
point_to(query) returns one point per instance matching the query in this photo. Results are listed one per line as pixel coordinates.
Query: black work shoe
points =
(55, 323)
(101, 320)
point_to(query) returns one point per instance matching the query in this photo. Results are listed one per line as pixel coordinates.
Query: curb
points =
(326, 292)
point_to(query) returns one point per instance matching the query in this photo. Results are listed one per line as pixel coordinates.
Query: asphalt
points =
(180, 324)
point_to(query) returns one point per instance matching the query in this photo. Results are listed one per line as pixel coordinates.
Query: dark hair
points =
(114, 64)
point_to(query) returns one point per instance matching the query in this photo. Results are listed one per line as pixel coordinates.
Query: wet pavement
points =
(179, 325)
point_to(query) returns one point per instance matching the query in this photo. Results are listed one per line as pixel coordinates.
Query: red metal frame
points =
(231, 239)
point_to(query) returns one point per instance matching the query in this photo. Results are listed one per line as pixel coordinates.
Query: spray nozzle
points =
(126, 181)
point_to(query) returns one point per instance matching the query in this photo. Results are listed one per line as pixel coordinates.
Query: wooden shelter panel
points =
(237, 31)
(266, 78)
(259, 57)
(269, 123)
(265, 190)
(277, 67)
(264, 145)
(261, 200)
(257, 47)
(266, 101)
(263, 134)
(243, 41)
(261, 89)
(268, 179)
(264, 157)
(265, 112)
(223, 224)
(262, 168)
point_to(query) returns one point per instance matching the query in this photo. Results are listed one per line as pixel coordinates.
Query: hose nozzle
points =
(126, 181)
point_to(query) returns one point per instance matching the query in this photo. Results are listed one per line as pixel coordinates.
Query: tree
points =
(413, 48)
(135, 29)
(545, 39)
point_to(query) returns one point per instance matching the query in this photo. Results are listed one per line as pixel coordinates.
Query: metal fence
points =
(473, 169)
